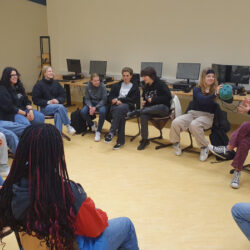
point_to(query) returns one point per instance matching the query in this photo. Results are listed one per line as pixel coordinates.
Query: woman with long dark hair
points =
(14, 103)
(39, 198)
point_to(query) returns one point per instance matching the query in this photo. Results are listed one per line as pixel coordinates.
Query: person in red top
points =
(38, 198)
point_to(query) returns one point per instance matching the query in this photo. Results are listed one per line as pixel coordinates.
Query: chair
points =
(160, 123)
(191, 147)
(7, 231)
(245, 168)
(49, 117)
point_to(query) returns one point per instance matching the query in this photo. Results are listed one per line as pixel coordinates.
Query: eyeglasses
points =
(14, 75)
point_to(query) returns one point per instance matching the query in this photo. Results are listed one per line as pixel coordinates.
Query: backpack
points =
(77, 122)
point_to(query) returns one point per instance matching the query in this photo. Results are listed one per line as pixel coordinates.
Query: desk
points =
(236, 97)
(77, 83)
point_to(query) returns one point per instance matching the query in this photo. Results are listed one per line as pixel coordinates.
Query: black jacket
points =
(45, 90)
(23, 99)
(158, 92)
(132, 98)
(8, 103)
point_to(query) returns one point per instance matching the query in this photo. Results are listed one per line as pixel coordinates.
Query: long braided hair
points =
(50, 216)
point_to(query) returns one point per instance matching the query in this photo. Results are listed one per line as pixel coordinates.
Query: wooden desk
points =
(77, 83)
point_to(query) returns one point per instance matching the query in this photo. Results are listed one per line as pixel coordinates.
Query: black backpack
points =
(77, 122)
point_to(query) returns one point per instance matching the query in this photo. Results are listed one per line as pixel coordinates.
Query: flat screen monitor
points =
(232, 73)
(98, 67)
(74, 65)
(189, 71)
(156, 65)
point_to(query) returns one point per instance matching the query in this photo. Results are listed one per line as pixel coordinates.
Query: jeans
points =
(241, 214)
(12, 130)
(38, 118)
(121, 234)
(119, 113)
(1, 180)
(102, 114)
(60, 114)
(147, 113)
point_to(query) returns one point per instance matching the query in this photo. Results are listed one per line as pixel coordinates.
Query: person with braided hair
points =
(38, 198)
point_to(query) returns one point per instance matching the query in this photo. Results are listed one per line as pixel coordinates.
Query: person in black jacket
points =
(156, 102)
(14, 103)
(123, 97)
(50, 96)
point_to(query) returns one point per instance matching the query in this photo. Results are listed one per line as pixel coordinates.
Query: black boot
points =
(143, 144)
(134, 113)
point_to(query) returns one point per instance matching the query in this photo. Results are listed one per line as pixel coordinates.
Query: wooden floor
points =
(176, 203)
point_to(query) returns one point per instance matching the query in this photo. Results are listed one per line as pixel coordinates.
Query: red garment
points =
(90, 222)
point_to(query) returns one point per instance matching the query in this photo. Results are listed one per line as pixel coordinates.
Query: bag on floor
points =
(77, 122)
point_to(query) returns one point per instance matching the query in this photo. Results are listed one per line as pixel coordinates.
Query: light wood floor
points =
(176, 203)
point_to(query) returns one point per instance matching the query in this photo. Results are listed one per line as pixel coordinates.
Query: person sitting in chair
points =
(14, 103)
(156, 102)
(95, 99)
(240, 139)
(200, 117)
(50, 96)
(39, 199)
(123, 97)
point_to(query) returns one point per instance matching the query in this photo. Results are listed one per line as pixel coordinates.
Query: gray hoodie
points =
(95, 96)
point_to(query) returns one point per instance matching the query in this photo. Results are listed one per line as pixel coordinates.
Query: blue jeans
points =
(1, 180)
(241, 214)
(12, 130)
(60, 114)
(102, 114)
(121, 234)
(38, 118)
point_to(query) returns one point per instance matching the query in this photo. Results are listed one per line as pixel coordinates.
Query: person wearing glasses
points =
(14, 103)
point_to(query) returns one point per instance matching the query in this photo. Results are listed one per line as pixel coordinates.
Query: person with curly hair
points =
(38, 198)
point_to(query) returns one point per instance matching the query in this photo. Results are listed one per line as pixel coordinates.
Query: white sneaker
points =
(97, 136)
(94, 127)
(177, 149)
(4, 170)
(71, 130)
(204, 153)
(236, 180)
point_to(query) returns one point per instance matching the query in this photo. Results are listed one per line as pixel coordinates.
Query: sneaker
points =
(204, 153)
(97, 136)
(143, 144)
(4, 170)
(133, 113)
(177, 149)
(71, 130)
(94, 127)
(108, 138)
(220, 151)
(236, 179)
(118, 146)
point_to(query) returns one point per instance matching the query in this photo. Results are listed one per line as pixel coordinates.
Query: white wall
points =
(21, 24)
(131, 31)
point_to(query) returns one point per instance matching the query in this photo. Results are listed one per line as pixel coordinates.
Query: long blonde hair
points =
(203, 84)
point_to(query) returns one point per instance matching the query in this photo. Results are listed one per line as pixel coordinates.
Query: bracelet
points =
(25, 114)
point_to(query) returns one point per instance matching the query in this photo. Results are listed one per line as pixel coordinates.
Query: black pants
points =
(119, 112)
(147, 113)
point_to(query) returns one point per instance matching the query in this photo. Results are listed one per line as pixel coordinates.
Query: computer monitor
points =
(156, 65)
(235, 74)
(188, 71)
(74, 65)
(98, 67)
